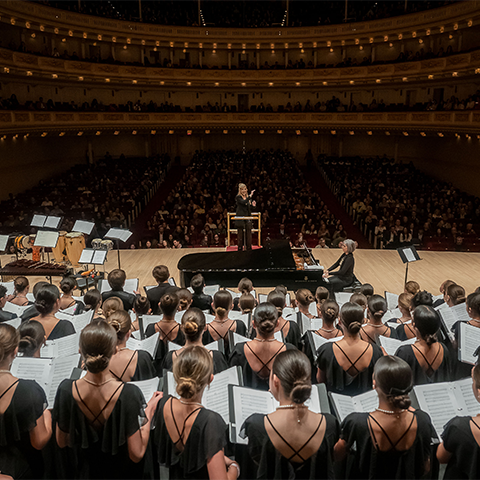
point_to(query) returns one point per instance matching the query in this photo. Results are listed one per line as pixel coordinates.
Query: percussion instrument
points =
(96, 242)
(106, 245)
(26, 267)
(74, 244)
(59, 252)
(21, 243)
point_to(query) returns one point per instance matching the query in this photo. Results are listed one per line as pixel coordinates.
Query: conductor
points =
(244, 227)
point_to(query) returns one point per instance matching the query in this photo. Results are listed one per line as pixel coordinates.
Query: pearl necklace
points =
(265, 339)
(391, 412)
(374, 325)
(98, 384)
(298, 407)
(6, 371)
(190, 403)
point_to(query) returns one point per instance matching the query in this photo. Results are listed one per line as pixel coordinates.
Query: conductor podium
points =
(274, 264)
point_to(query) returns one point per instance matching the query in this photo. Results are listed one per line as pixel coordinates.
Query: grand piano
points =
(274, 264)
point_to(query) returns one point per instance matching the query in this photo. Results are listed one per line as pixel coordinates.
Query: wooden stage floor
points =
(382, 268)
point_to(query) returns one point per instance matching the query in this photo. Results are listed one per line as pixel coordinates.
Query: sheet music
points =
(465, 388)
(288, 311)
(366, 402)
(409, 254)
(233, 315)
(209, 318)
(61, 369)
(148, 387)
(99, 257)
(149, 319)
(10, 288)
(216, 397)
(313, 403)
(392, 314)
(45, 238)
(61, 347)
(82, 320)
(211, 289)
(262, 298)
(468, 342)
(15, 309)
(312, 309)
(171, 282)
(342, 297)
(438, 297)
(120, 233)
(64, 316)
(213, 346)
(87, 255)
(179, 315)
(29, 296)
(440, 402)
(448, 319)
(3, 242)
(131, 285)
(14, 322)
(233, 294)
(173, 347)
(69, 310)
(148, 287)
(28, 368)
(391, 345)
(149, 344)
(318, 340)
(38, 220)
(460, 312)
(392, 300)
(237, 338)
(246, 402)
(52, 222)
(343, 405)
(83, 227)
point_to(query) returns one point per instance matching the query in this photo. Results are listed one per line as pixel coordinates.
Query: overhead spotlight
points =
(189, 132)
(134, 132)
(315, 132)
(405, 134)
(80, 134)
(98, 132)
(44, 134)
(440, 134)
(61, 134)
(226, 131)
(387, 133)
(298, 132)
(207, 131)
(116, 132)
(279, 131)
(369, 132)
(423, 134)
(171, 132)
(261, 132)
(351, 132)
(333, 132)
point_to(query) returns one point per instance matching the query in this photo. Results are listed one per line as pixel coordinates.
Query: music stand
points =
(408, 255)
(119, 234)
(43, 221)
(83, 227)
(91, 256)
(46, 239)
(3, 244)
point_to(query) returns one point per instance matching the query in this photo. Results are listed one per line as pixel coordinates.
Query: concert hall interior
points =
(281, 195)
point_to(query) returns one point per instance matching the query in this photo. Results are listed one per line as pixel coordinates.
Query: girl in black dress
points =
(304, 298)
(141, 307)
(168, 328)
(376, 309)
(454, 295)
(245, 287)
(429, 359)
(93, 301)
(19, 296)
(68, 285)
(346, 366)
(219, 327)
(193, 326)
(256, 356)
(406, 330)
(321, 296)
(404, 304)
(47, 303)
(394, 440)
(329, 315)
(25, 424)
(460, 448)
(473, 310)
(190, 439)
(289, 328)
(100, 420)
(128, 365)
(292, 442)
(32, 338)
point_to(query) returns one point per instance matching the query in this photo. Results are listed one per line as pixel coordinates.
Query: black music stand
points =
(119, 234)
(46, 239)
(408, 255)
(91, 256)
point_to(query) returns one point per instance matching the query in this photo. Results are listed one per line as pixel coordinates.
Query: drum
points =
(74, 244)
(59, 252)
(21, 243)
(96, 243)
(106, 245)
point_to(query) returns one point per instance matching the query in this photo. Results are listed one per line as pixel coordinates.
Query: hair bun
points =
(186, 387)
(97, 363)
(301, 392)
(354, 327)
(191, 328)
(116, 325)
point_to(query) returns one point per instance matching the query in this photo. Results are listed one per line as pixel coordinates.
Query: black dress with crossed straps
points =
(380, 331)
(338, 380)
(18, 458)
(420, 376)
(143, 371)
(237, 326)
(187, 458)
(250, 378)
(96, 449)
(271, 464)
(367, 461)
(458, 439)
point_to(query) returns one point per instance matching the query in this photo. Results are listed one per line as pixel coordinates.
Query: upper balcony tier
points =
(36, 17)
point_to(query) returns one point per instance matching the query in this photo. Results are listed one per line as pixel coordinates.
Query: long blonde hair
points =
(240, 186)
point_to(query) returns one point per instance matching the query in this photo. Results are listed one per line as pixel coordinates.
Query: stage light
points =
(423, 134)
(324, 84)
(80, 134)
(55, 31)
(400, 36)
(390, 44)
(331, 50)
(454, 74)
(162, 82)
(440, 134)
(405, 134)
(378, 80)
(262, 132)
(405, 79)
(7, 70)
(387, 133)
(469, 23)
(244, 84)
(297, 84)
(114, 39)
(61, 134)
(450, 36)
(134, 82)
(116, 132)
(279, 131)
(442, 29)
(98, 132)
(357, 41)
(189, 84)
(455, 27)
(371, 40)
(153, 132)
(314, 44)
(85, 35)
(33, 35)
(315, 132)
(143, 42)
(351, 132)
(54, 75)
(107, 80)
(189, 132)
(214, 52)
(298, 132)
(44, 134)
(270, 84)
(420, 41)
(226, 131)
(414, 34)
(361, 47)
(385, 38)
(430, 77)
(29, 73)
(302, 51)
(42, 28)
(207, 131)
(343, 43)
(171, 132)
(333, 132)
(369, 132)
(134, 132)
(124, 47)
(99, 37)
(27, 24)
(427, 32)
(329, 43)
(352, 82)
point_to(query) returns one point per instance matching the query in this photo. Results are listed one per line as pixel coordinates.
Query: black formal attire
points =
(421, 376)
(156, 293)
(458, 439)
(6, 315)
(251, 378)
(369, 462)
(244, 226)
(144, 370)
(340, 381)
(18, 457)
(29, 313)
(202, 301)
(343, 277)
(207, 437)
(271, 464)
(96, 450)
(62, 329)
(126, 298)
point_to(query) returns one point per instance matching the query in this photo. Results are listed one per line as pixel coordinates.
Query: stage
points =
(382, 268)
